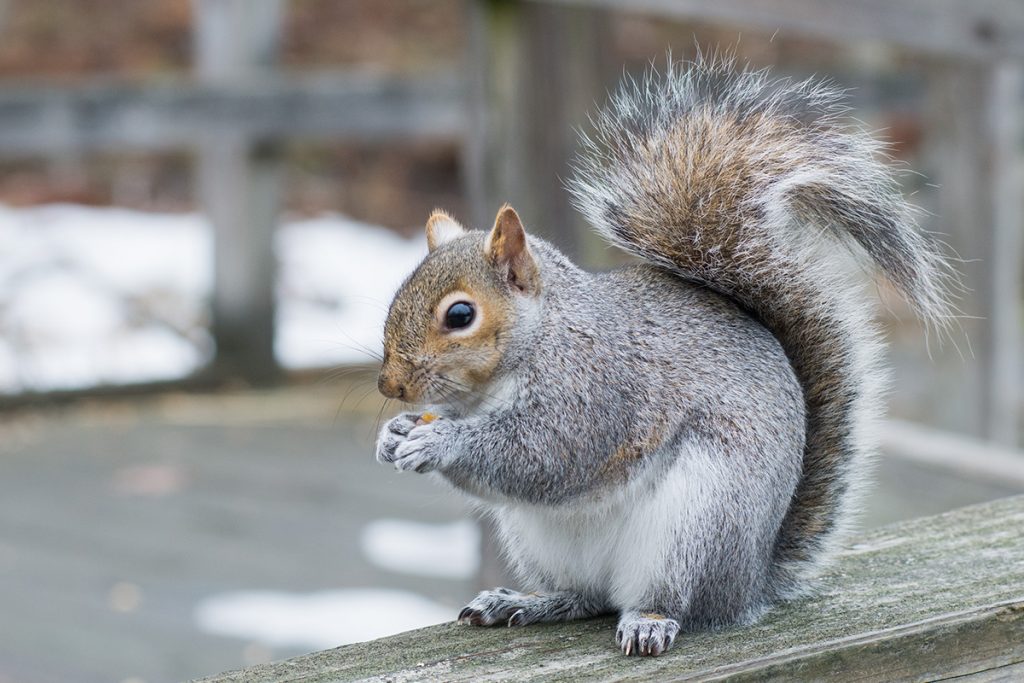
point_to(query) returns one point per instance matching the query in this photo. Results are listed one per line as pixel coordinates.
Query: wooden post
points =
(975, 111)
(1005, 110)
(240, 187)
(535, 72)
(493, 157)
(954, 132)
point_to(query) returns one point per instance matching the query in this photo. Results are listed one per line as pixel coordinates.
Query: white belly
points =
(617, 548)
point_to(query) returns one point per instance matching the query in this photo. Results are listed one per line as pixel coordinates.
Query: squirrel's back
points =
(751, 186)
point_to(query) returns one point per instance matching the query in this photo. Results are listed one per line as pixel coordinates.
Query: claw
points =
(517, 618)
(466, 611)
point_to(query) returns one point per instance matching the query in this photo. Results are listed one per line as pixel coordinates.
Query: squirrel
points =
(679, 442)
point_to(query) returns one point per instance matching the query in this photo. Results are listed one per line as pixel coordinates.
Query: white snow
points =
(91, 296)
(446, 550)
(105, 295)
(336, 281)
(317, 620)
(338, 617)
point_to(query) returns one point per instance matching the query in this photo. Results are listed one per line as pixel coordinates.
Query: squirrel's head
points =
(454, 319)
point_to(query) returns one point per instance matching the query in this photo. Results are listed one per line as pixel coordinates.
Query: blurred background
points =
(204, 210)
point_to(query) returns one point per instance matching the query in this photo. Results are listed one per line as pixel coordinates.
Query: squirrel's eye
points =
(459, 315)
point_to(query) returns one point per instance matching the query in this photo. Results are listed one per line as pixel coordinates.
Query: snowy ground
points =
(110, 296)
(317, 621)
(338, 617)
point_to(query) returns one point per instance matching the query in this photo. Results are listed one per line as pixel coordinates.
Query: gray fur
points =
(641, 359)
(683, 447)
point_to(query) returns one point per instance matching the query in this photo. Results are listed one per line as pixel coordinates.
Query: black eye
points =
(459, 315)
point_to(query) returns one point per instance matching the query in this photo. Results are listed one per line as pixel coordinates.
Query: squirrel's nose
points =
(390, 387)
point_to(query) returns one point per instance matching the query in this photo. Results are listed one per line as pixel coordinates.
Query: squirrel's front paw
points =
(392, 434)
(505, 607)
(423, 449)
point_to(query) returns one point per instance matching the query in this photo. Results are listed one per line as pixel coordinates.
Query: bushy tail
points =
(750, 185)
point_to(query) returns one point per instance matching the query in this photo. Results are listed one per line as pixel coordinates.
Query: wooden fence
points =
(533, 69)
(235, 114)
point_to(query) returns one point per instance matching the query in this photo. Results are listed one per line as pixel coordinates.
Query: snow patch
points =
(451, 551)
(111, 296)
(96, 296)
(317, 620)
(337, 279)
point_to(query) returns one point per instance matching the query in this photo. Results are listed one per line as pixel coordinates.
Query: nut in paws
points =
(423, 449)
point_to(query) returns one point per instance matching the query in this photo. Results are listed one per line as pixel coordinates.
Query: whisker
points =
(380, 414)
(456, 388)
(362, 351)
(348, 393)
(364, 397)
(344, 373)
(364, 299)
(359, 346)
(500, 402)
(446, 393)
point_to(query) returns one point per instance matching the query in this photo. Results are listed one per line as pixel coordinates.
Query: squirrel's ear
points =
(442, 228)
(506, 249)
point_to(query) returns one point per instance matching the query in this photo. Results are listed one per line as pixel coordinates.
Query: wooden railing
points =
(937, 598)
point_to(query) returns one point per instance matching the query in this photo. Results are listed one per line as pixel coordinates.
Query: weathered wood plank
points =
(42, 120)
(929, 599)
(974, 29)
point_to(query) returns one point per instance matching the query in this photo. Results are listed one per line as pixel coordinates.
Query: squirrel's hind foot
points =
(645, 635)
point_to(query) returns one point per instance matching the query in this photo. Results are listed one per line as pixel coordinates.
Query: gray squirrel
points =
(678, 442)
